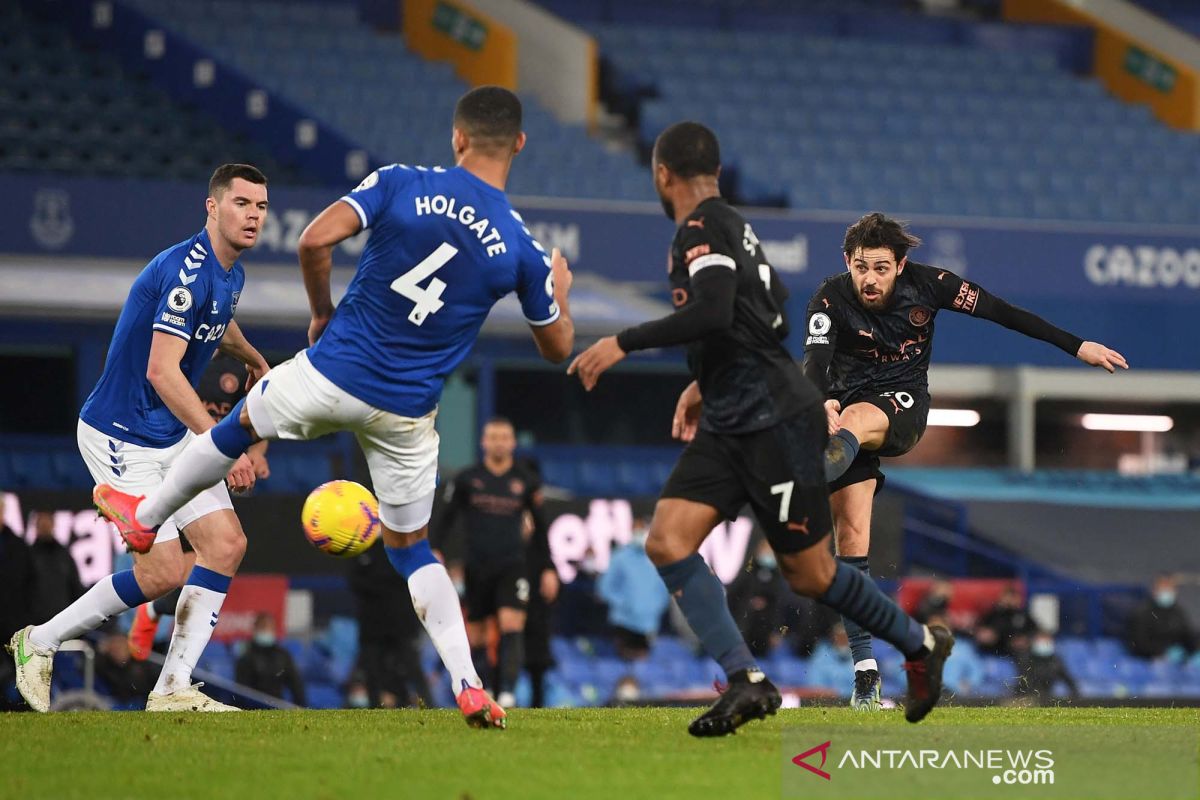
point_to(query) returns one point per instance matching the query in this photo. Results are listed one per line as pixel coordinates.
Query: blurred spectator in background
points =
(754, 600)
(389, 633)
(1041, 669)
(125, 678)
(357, 695)
(1159, 627)
(16, 601)
(936, 601)
(57, 578)
(1007, 620)
(266, 666)
(831, 661)
(635, 595)
(627, 692)
(965, 675)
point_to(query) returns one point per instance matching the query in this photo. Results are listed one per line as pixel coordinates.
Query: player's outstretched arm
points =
(556, 340)
(234, 343)
(710, 311)
(332, 226)
(966, 297)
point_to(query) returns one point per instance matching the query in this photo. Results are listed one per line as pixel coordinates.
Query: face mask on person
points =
(1164, 598)
(264, 638)
(1042, 648)
(767, 561)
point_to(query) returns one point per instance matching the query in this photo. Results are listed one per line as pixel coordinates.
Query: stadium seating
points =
(371, 88)
(64, 109)
(812, 116)
(1184, 14)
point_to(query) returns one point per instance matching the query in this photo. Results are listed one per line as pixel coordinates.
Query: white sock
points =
(437, 607)
(198, 467)
(89, 612)
(866, 664)
(150, 612)
(195, 617)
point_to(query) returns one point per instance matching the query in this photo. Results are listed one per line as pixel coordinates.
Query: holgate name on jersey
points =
(448, 207)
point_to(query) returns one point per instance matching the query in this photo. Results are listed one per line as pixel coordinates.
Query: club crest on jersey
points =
(229, 382)
(233, 305)
(919, 316)
(368, 182)
(679, 297)
(216, 309)
(516, 486)
(180, 299)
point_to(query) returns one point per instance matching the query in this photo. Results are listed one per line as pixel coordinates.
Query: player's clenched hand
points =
(687, 413)
(833, 416)
(255, 373)
(1098, 355)
(262, 467)
(562, 275)
(241, 478)
(591, 363)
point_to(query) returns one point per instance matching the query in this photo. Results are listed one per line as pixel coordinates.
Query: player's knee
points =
(157, 577)
(659, 548)
(810, 578)
(226, 550)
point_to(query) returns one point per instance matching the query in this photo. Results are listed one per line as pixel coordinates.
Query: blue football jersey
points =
(184, 292)
(444, 247)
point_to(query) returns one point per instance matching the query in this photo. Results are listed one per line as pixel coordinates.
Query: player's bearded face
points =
(874, 271)
(499, 441)
(241, 212)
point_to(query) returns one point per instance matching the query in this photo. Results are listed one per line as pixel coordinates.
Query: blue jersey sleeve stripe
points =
(158, 326)
(537, 323)
(362, 215)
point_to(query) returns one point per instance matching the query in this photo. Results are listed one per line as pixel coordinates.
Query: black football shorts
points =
(490, 588)
(779, 472)
(908, 413)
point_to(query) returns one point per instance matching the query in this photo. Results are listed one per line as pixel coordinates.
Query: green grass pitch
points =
(579, 753)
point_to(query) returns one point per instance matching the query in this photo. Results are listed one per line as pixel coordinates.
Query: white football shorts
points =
(295, 401)
(138, 470)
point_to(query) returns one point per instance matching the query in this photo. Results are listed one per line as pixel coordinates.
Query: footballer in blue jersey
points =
(140, 418)
(445, 245)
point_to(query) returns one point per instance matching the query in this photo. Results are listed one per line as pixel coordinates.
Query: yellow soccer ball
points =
(341, 518)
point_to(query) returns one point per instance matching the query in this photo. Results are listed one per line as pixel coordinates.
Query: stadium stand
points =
(1181, 13)
(946, 116)
(376, 92)
(66, 110)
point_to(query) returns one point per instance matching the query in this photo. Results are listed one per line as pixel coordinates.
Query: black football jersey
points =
(890, 349)
(747, 377)
(492, 511)
(222, 385)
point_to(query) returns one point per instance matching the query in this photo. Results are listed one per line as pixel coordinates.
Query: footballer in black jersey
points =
(499, 503)
(756, 435)
(869, 339)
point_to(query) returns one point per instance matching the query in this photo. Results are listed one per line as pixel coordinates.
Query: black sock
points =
(537, 683)
(701, 597)
(512, 656)
(840, 454)
(165, 605)
(858, 598)
(860, 640)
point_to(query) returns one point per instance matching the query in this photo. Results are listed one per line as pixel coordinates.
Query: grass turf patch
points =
(578, 753)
